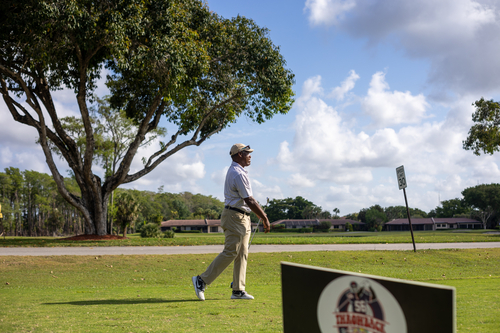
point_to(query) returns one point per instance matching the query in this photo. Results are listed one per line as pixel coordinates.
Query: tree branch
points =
(156, 109)
(152, 165)
(42, 131)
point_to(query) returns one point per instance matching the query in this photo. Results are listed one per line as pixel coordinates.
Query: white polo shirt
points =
(237, 187)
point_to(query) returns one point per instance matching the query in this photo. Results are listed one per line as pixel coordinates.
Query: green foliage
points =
(353, 216)
(151, 230)
(298, 208)
(375, 218)
(484, 135)
(484, 199)
(139, 226)
(180, 210)
(46, 212)
(324, 226)
(399, 212)
(168, 234)
(127, 210)
(32, 206)
(277, 227)
(348, 226)
(452, 208)
(294, 230)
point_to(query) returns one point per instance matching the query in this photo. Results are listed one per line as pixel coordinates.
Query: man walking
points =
(235, 220)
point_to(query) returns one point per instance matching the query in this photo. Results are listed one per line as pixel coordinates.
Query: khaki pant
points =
(237, 234)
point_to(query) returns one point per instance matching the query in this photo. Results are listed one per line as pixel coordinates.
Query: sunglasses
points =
(245, 148)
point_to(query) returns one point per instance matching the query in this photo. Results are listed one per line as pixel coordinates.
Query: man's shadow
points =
(125, 301)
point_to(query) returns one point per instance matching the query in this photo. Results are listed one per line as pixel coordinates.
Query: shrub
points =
(284, 230)
(324, 226)
(169, 234)
(293, 230)
(278, 227)
(151, 230)
(139, 226)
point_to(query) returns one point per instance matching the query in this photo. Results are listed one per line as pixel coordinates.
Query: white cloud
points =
(391, 108)
(460, 38)
(326, 151)
(347, 85)
(261, 192)
(328, 11)
(219, 176)
(14, 134)
(5, 156)
(312, 86)
(298, 180)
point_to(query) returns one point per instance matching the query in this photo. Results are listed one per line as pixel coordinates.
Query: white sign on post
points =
(400, 171)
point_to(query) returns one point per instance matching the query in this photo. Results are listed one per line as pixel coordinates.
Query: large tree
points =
(484, 199)
(399, 212)
(171, 59)
(289, 208)
(484, 135)
(451, 208)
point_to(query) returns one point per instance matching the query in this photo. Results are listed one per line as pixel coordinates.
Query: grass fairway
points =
(153, 293)
(180, 239)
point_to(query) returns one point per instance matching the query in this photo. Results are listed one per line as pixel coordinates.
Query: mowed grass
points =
(153, 293)
(270, 238)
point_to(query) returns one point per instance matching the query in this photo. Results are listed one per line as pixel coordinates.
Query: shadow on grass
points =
(123, 301)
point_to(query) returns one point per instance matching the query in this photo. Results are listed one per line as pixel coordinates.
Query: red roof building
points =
(433, 223)
(337, 224)
(206, 226)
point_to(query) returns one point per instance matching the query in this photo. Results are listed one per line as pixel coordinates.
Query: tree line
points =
(32, 206)
(481, 202)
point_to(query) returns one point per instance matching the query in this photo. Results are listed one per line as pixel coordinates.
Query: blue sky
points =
(379, 84)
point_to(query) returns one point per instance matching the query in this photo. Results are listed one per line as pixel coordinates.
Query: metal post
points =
(409, 221)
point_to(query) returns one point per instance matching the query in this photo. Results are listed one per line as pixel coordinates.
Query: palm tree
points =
(127, 210)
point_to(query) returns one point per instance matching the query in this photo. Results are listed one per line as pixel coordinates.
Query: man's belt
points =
(238, 210)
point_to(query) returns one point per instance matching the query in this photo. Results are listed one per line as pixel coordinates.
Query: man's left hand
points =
(267, 225)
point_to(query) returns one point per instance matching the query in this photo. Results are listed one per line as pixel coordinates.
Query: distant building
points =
(433, 223)
(337, 224)
(206, 226)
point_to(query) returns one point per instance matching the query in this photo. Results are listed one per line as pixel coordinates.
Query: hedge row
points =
(293, 230)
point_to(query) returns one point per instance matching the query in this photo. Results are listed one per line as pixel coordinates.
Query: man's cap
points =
(235, 149)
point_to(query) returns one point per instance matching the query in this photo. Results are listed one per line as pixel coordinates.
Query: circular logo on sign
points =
(352, 304)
